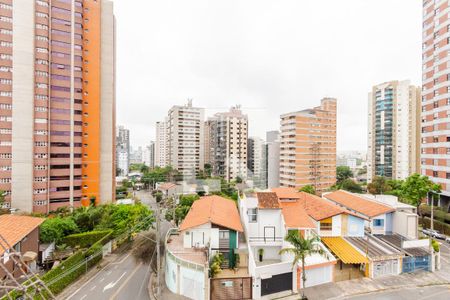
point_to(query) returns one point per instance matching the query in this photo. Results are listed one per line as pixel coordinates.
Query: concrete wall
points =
(355, 226)
(405, 224)
(378, 229)
(187, 282)
(317, 276)
(336, 225)
(201, 236)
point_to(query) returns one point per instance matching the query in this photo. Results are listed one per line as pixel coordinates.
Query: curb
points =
(150, 287)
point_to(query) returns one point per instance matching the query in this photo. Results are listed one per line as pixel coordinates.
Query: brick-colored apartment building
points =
(308, 147)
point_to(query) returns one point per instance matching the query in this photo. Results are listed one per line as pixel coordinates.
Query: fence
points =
(239, 288)
(415, 263)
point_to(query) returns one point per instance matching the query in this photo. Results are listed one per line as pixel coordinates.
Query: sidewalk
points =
(165, 293)
(343, 289)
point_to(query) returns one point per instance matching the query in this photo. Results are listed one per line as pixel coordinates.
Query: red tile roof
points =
(295, 215)
(286, 193)
(359, 204)
(166, 186)
(14, 228)
(214, 209)
(319, 208)
(267, 200)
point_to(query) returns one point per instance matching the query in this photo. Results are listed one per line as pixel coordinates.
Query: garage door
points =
(277, 283)
(318, 276)
(383, 268)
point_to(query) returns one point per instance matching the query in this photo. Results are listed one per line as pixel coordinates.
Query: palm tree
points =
(302, 247)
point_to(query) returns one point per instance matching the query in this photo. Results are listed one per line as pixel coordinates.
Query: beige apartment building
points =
(393, 149)
(185, 142)
(435, 137)
(57, 103)
(308, 147)
(160, 153)
(227, 139)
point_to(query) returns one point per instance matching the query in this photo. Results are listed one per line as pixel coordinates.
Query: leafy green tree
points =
(301, 248)
(342, 173)
(310, 189)
(351, 186)
(378, 186)
(55, 229)
(416, 187)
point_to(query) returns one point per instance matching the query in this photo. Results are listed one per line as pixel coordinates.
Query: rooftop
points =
(375, 248)
(14, 228)
(214, 209)
(358, 204)
(175, 246)
(295, 215)
(267, 200)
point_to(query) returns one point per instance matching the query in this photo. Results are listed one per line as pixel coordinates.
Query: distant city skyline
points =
(263, 56)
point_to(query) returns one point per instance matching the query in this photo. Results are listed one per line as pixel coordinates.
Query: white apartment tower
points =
(185, 142)
(393, 130)
(161, 145)
(227, 137)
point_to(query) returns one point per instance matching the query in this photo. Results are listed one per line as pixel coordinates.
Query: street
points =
(123, 279)
(419, 293)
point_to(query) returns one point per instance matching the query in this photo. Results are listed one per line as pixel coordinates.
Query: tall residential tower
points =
(393, 130)
(57, 103)
(308, 147)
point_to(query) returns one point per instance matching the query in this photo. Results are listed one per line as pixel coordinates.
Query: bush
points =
(439, 214)
(437, 225)
(86, 239)
(435, 245)
(55, 229)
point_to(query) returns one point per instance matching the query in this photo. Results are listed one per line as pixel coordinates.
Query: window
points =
(435, 174)
(252, 215)
(326, 225)
(378, 222)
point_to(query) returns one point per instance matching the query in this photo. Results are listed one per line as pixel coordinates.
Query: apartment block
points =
(393, 130)
(257, 162)
(148, 155)
(57, 103)
(308, 147)
(227, 137)
(185, 143)
(123, 151)
(435, 152)
(161, 144)
(273, 159)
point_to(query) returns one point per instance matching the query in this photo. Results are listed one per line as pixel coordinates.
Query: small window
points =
(252, 215)
(378, 222)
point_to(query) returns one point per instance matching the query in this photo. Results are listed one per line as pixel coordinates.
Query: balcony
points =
(265, 241)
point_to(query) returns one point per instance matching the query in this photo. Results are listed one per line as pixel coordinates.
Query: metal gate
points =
(239, 288)
(277, 283)
(415, 263)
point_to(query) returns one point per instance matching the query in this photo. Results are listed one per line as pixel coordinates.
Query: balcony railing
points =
(265, 239)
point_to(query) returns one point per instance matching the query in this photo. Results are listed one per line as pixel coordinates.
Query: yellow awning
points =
(346, 252)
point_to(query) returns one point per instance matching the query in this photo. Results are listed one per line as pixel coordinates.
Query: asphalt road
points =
(420, 293)
(123, 279)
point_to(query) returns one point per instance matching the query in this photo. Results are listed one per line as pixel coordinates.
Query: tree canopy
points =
(342, 173)
(379, 185)
(416, 187)
(310, 189)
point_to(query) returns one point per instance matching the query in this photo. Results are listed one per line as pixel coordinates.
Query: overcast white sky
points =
(271, 57)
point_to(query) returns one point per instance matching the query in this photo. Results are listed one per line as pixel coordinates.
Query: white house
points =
(266, 223)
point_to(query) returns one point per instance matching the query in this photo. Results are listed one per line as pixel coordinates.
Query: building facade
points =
(393, 130)
(228, 133)
(148, 155)
(185, 142)
(122, 151)
(273, 159)
(161, 144)
(257, 162)
(435, 152)
(57, 103)
(308, 147)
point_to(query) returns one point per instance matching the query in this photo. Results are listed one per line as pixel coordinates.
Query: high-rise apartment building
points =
(393, 130)
(57, 105)
(122, 151)
(185, 143)
(227, 138)
(161, 144)
(273, 158)
(148, 155)
(257, 162)
(308, 147)
(207, 142)
(435, 150)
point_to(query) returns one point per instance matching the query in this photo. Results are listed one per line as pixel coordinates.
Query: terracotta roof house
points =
(267, 200)
(22, 234)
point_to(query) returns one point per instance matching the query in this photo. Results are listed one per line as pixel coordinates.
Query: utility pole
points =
(158, 254)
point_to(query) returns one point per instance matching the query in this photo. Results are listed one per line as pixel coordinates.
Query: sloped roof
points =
(14, 228)
(267, 200)
(295, 215)
(286, 193)
(166, 186)
(214, 209)
(359, 204)
(319, 208)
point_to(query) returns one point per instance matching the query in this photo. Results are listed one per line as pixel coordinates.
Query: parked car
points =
(447, 240)
(434, 233)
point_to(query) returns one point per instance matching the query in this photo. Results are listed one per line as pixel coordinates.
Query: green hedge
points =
(86, 239)
(439, 214)
(437, 225)
(74, 263)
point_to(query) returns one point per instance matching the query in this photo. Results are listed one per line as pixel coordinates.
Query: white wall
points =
(318, 276)
(405, 224)
(201, 236)
(380, 229)
(337, 225)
